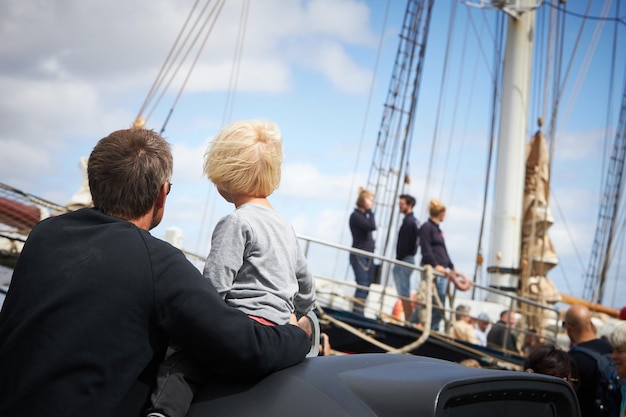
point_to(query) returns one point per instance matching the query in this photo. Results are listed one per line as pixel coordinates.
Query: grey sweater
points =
(257, 266)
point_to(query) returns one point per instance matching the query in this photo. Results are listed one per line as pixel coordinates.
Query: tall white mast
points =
(504, 259)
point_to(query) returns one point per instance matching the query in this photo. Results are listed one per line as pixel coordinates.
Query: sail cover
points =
(537, 252)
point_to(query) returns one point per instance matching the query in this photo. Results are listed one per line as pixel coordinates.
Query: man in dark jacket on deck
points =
(95, 300)
(406, 248)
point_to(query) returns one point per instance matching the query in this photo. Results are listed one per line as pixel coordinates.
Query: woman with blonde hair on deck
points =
(362, 226)
(435, 253)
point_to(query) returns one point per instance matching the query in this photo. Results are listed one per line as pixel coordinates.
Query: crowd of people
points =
(583, 365)
(428, 238)
(594, 366)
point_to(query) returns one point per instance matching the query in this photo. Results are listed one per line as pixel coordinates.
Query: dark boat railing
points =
(383, 297)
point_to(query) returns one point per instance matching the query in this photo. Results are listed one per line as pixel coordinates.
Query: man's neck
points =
(586, 337)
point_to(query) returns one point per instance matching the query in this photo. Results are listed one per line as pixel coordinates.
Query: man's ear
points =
(160, 201)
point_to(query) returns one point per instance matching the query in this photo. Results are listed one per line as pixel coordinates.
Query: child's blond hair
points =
(245, 158)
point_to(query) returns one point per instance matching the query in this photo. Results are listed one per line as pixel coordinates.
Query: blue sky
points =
(69, 78)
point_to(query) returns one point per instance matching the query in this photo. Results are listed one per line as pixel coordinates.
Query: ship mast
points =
(504, 259)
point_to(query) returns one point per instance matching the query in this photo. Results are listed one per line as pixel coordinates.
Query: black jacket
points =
(433, 246)
(362, 225)
(408, 237)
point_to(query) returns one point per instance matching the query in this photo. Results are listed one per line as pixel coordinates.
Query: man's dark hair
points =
(126, 170)
(410, 200)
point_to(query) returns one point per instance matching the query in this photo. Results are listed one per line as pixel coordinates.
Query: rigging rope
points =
(234, 76)
(584, 67)
(619, 20)
(459, 149)
(429, 171)
(139, 122)
(215, 12)
(368, 104)
(170, 69)
(228, 108)
(495, 100)
(469, 106)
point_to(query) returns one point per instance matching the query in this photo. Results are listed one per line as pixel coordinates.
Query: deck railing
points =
(382, 297)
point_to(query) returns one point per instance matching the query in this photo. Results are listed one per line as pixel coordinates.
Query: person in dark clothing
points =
(434, 253)
(501, 333)
(406, 248)
(582, 333)
(362, 226)
(95, 299)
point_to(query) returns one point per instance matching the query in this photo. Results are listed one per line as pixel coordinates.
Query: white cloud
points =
(303, 180)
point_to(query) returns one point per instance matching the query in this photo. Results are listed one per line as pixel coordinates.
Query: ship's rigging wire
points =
(618, 20)
(351, 198)
(175, 61)
(584, 67)
(619, 234)
(214, 14)
(548, 60)
(560, 83)
(440, 104)
(495, 107)
(166, 64)
(227, 115)
(609, 107)
(470, 96)
(432, 165)
(449, 141)
(234, 75)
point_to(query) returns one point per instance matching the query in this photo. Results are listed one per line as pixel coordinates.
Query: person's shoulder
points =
(600, 345)
(582, 358)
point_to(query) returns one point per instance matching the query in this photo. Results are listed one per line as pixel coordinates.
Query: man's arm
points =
(221, 338)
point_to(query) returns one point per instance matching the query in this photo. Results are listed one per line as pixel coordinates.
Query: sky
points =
(73, 71)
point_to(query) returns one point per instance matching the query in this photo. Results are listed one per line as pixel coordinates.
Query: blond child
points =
(255, 261)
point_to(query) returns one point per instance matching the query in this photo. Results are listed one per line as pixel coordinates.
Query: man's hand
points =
(305, 324)
(460, 280)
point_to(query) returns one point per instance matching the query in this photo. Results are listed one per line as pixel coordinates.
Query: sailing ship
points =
(518, 268)
(522, 252)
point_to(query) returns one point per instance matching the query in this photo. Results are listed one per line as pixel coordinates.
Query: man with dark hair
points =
(95, 299)
(406, 248)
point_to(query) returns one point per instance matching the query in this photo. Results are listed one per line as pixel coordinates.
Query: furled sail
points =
(537, 252)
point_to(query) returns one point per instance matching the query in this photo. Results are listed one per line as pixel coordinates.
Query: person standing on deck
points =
(434, 253)
(406, 248)
(362, 226)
